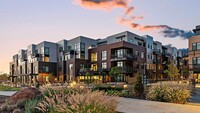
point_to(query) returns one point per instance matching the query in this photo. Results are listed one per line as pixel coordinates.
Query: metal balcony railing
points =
(167, 54)
(115, 57)
(156, 61)
(156, 51)
(194, 66)
(126, 69)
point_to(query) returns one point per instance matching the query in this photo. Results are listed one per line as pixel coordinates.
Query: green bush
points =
(139, 87)
(175, 93)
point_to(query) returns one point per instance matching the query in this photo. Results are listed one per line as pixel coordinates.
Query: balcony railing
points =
(126, 69)
(123, 57)
(156, 51)
(156, 61)
(167, 54)
(194, 66)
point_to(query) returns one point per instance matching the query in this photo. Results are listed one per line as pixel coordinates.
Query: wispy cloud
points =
(128, 19)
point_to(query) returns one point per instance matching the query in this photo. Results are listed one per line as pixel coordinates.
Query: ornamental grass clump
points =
(77, 102)
(174, 93)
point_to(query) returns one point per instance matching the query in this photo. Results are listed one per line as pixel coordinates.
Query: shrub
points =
(139, 87)
(175, 93)
(77, 101)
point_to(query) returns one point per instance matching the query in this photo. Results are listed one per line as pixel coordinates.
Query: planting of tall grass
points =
(76, 100)
(174, 93)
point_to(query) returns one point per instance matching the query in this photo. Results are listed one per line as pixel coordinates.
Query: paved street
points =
(142, 106)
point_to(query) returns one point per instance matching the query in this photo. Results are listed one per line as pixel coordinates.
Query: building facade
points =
(73, 60)
(194, 55)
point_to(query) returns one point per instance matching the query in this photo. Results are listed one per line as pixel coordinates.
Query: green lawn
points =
(8, 88)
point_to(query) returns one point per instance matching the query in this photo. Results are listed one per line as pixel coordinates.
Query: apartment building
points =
(71, 60)
(124, 50)
(194, 55)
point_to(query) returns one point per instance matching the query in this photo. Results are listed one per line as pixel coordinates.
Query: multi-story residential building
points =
(194, 55)
(71, 60)
(124, 50)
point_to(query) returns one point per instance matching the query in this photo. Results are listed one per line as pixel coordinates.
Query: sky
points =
(25, 22)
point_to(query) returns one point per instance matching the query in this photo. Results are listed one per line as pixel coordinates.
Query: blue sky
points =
(23, 22)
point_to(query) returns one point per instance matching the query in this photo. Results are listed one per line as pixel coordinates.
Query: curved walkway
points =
(127, 105)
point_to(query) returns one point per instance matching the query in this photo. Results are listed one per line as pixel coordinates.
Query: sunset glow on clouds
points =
(128, 19)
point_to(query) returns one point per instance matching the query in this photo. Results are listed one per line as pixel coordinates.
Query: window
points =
(94, 67)
(46, 59)
(119, 52)
(198, 60)
(104, 65)
(46, 50)
(60, 49)
(77, 47)
(94, 57)
(45, 68)
(82, 66)
(149, 56)
(142, 54)
(120, 64)
(137, 53)
(196, 46)
(82, 46)
(194, 60)
(142, 66)
(104, 55)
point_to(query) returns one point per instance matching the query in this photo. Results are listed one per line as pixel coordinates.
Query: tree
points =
(115, 72)
(172, 71)
(139, 87)
(88, 75)
(102, 73)
(51, 78)
(3, 77)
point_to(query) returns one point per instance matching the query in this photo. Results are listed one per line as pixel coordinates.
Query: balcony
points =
(84, 71)
(115, 57)
(156, 61)
(126, 69)
(167, 54)
(156, 51)
(194, 66)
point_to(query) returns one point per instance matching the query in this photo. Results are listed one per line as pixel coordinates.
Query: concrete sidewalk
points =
(127, 105)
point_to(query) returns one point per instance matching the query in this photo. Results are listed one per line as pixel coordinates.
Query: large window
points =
(196, 61)
(137, 53)
(104, 55)
(120, 64)
(142, 54)
(46, 50)
(104, 65)
(120, 53)
(94, 57)
(196, 46)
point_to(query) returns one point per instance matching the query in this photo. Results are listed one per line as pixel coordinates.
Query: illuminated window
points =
(46, 59)
(104, 55)
(94, 67)
(142, 54)
(104, 65)
(120, 64)
(94, 57)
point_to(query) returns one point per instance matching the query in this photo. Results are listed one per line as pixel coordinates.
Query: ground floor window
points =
(197, 77)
